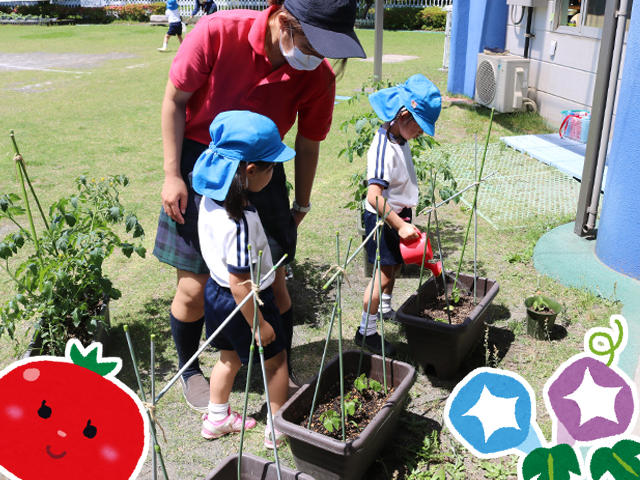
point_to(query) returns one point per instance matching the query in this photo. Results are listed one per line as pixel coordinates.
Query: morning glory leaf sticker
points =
(492, 413)
(620, 461)
(591, 398)
(555, 463)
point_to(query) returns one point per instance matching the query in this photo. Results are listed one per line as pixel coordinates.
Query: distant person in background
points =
(207, 6)
(175, 24)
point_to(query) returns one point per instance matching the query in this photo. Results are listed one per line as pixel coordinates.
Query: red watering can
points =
(413, 252)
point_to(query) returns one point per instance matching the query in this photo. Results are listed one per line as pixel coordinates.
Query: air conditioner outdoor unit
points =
(502, 82)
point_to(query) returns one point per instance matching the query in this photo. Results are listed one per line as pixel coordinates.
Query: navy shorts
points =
(175, 28)
(237, 335)
(389, 240)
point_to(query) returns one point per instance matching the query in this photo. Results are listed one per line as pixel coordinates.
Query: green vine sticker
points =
(600, 342)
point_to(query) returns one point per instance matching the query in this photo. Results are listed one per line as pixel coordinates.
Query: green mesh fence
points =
(521, 189)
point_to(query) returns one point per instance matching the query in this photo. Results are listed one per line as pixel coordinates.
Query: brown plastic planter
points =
(325, 458)
(101, 334)
(439, 344)
(253, 468)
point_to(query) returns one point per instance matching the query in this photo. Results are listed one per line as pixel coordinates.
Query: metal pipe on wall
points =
(527, 34)
(622, 15)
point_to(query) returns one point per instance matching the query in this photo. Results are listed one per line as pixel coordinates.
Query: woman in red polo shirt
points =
(270, 62)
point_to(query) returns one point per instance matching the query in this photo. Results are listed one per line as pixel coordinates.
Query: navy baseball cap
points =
(236, 136)
(418, 95)
(328, 25)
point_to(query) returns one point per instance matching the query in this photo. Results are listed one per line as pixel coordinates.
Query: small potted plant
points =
(58, 268)
(541, 316)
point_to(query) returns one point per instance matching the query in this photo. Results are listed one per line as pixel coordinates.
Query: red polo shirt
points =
(223, 61)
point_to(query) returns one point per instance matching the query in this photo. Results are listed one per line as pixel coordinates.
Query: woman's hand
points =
(408, 232)
(174, 197)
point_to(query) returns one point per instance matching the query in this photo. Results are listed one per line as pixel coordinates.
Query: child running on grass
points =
(408, 110)
(175, 24)
(244, 148)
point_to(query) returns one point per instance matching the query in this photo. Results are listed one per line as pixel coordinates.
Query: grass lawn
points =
(103, 117)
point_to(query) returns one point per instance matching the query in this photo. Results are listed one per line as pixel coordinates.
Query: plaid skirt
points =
(178, 245)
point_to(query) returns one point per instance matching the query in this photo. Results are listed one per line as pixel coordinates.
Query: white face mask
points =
(297, 59)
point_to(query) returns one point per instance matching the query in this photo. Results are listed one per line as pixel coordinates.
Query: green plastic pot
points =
(541, 324)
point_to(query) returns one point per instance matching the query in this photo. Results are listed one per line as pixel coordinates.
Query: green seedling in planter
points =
(331, 420)
(362, 384)
(58, 270)
(540, 305)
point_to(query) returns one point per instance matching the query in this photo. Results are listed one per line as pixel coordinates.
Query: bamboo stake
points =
(475, 198)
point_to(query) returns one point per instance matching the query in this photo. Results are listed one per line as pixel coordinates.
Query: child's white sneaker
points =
(231, 424)
(162, 49)
(268, 442)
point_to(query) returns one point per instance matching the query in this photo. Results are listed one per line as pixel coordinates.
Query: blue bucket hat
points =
(418, 95)
(236, 136)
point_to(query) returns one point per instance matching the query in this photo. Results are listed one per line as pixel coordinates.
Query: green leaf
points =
(47, 290)
(131, 222)
(360, 383)
(70, 219)
(5, 251)
(551, 463)
(141, 251)
(620, 461)
(18, 239)
(127, 249)
(375, 385)
(114, 214)
(91, 360)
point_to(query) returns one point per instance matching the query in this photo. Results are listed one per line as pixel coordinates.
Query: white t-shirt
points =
(173, 16)
(389, 164)
(224, 242)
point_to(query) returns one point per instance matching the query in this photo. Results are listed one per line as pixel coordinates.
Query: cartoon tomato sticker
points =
(70, 418)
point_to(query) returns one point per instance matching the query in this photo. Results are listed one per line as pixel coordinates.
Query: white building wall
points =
(565, 80)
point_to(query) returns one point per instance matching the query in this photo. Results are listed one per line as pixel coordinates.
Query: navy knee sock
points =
(287, 325)
(186, 336)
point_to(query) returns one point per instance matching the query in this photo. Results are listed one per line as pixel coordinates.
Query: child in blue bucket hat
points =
(408, 110)
(244, 148)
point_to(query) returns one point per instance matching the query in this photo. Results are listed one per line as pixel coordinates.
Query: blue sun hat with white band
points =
(418, 95)
(236, 136)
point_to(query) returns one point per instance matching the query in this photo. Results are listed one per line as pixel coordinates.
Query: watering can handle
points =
(565, 123)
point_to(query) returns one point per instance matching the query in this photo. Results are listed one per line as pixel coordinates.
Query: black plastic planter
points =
(101, 334)
(325, 458)
(253, 468)
(540, 325)
(439, 344)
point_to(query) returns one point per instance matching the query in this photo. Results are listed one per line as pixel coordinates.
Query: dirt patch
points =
(64, 61)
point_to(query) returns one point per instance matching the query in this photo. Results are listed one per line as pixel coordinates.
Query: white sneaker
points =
(162, 49)
(231, 424)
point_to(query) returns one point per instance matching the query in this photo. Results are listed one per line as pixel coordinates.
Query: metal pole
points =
(597, 117)
(475, 223)
(154, 458)
(377, 50)
(622, 15)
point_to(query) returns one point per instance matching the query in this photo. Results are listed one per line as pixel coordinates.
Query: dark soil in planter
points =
(370, 404)
(543, 311)
(437, 309)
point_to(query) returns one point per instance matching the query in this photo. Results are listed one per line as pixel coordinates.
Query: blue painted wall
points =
(476, 24)
(618, 241)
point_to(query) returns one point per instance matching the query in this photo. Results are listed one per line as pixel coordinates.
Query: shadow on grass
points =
(415, 444)
(152, 318)
(310, 302)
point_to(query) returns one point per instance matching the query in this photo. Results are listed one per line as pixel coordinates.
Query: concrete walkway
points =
(571, 260)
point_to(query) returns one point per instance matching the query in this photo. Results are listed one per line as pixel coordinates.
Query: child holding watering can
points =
(408, 110)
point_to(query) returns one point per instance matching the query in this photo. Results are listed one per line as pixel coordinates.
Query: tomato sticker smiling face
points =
(70, 418)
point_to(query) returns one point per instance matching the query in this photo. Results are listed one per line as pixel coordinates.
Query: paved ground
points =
(56, 61)
(572, 261)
